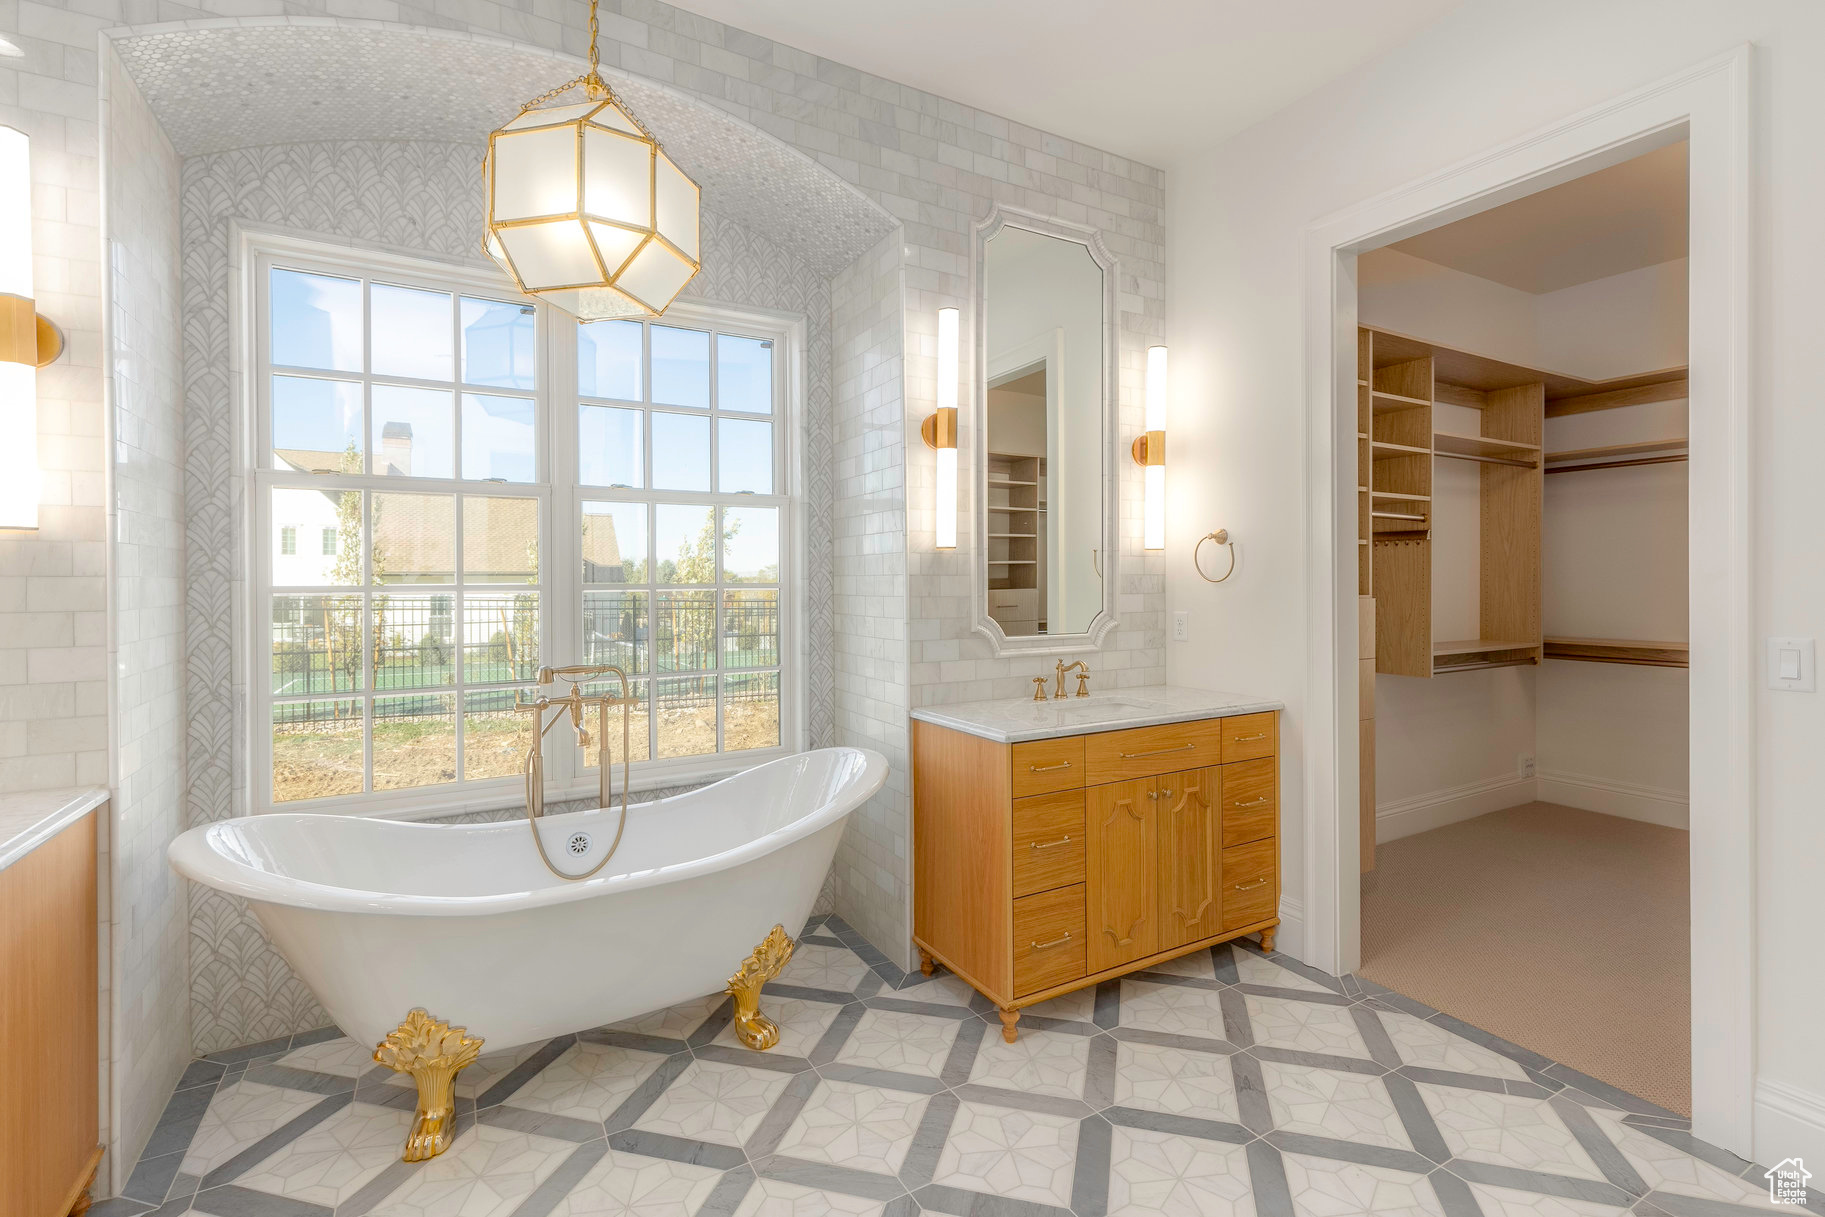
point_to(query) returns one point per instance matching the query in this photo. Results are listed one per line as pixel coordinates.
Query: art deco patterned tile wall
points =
(416, 197)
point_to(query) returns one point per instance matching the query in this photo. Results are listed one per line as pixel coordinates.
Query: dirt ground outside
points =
(320, 760)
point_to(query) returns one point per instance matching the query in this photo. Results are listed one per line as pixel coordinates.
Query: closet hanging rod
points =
(1493, 663)
(1645, 460)
(1483, 460)
(1394, 515)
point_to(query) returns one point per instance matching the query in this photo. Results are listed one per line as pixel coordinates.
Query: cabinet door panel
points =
(1190, 849)
(1122, 872)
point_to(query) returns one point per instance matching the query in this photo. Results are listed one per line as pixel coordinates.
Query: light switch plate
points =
(1791, 665)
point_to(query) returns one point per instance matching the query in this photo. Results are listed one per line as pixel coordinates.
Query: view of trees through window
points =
(403, 425)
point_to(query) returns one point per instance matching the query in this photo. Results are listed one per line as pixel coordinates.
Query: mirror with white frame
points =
(1045, 422)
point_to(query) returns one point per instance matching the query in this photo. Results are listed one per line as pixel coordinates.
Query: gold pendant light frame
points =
(602, 116)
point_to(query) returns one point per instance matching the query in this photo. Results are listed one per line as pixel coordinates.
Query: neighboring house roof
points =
(310, 460)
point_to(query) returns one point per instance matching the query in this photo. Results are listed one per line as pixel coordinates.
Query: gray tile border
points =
(1310, 1146)
(908, 1006)
(1422, 1132)
(319, 1035)
(1304, 995)
(659, 1045)
(1679, 1122)
(273, 1141)
(1042, 1022)
(1318, 1060)
(712, 1026)
(269, 1074)
(1178, 1126)
(837, 1033)
(1463, 1081)
(901, 1206)
(921, 1160)
(249, 1052)
(1381, 1048)
(198, 1073)
(525, 1071)
(767, 1134)
(1495, 1043)
(178, 1123)
(1107, 1011)
(232, 1201)
(118, 1206)
(1454, 1195)
(1593, 1190)
(1608, 1159)
(1267, 1179)
(1044, 1104)
(826, 1177)
(775, 1062)
(151, 1179)
(820, 940)
(647, 1093)
(561, 1182)
(1603, 1092)
(1686, 1143)
(1251, 1093)
(1527, 1090)
(676, 1149)
(1090, 1179)
(883, 1079)
(1175, 980)
(377, 1189)
(540, 1123)
(1236, 1027)
(728, 1193)
(1099, 1076)
(960, 1203)
(1223, 961)
(834, 997)
(1166, 1039)
(962, 1059)
(1374, 994)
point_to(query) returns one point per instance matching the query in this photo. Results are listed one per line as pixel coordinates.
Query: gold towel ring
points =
(1221, 537)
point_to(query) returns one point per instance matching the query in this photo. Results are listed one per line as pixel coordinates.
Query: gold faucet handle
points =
(1083, 684)
(1039, 688)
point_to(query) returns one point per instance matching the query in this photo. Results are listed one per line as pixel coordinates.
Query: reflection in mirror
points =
(1043, 355)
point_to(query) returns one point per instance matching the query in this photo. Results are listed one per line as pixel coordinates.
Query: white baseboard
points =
(1789, 1122)
(1652, 804)
(1441, 807)
(1290, 937)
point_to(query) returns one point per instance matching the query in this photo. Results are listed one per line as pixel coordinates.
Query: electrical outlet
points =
(1524, 765)
(1181, 626)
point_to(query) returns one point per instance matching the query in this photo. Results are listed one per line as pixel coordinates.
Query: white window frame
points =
(560, 583)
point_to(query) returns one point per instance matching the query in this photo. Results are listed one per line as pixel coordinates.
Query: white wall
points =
(1486, 74)
(1605, 737)
(149, 1022)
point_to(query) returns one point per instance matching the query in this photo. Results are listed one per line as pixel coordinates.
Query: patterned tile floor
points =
(1227, 1084)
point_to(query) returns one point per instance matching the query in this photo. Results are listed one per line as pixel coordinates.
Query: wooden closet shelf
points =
(1387, 403)
(1476, 445)
(1609, 450)
(1007, 484)
(1385, 451)
(1013, 562)
(1621, 650)
(1397, 497)
(1479, 646)
(1013, 536)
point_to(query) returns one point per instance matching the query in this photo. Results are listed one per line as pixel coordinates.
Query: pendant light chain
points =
(594, 29)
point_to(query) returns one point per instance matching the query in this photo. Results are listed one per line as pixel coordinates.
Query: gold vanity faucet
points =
(1083, 678)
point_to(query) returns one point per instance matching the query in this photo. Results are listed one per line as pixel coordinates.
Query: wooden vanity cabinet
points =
(1049, 865)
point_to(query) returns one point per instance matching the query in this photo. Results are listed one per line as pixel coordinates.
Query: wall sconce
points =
(27, 341)
(940, 430)
(1149, 452)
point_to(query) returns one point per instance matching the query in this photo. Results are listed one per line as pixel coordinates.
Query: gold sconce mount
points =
(939, 430)
(1149, 448)
(25, 335)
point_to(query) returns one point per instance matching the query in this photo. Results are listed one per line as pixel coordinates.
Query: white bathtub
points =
(380, 916)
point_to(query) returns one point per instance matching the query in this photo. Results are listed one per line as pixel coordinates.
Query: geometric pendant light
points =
(584, 209)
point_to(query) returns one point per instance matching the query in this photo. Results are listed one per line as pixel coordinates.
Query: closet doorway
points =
(1522, 449)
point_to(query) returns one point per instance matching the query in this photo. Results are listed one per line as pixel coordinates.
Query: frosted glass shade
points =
(586, 211)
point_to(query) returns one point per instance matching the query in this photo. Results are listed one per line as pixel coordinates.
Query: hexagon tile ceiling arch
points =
(584, 209)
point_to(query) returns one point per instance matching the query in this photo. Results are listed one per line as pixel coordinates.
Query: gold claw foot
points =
(752, 1027)
(433, 1052)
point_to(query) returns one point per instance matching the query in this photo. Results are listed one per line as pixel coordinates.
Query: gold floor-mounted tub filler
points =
(752, 1027)
(433, 1053)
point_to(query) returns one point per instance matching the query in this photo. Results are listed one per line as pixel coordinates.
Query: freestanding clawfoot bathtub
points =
(386, 920)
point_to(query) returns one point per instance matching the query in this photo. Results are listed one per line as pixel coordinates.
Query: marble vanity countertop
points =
(31, 817)
(1016, 720)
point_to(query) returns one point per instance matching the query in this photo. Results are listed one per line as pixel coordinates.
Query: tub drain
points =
(579, 844)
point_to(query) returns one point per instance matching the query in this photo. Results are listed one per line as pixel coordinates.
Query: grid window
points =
(473, 529)
(681, 528)
(426, 591)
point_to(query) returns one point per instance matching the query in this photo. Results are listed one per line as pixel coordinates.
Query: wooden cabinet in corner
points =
(1054, 849)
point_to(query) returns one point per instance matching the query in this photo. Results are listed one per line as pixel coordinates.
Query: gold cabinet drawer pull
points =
(1048, 768)
(1244, 739)
(1056, 942)
(1253, 802)
(1064, 840)
(1135, 756)
(1251, 886)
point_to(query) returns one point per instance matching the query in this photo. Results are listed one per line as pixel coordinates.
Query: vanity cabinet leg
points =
(1009, 1017)
(432, 1052)
(927, 964)
(1267, 939)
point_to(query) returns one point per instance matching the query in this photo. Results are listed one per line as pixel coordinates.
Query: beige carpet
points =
(1561, 930)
